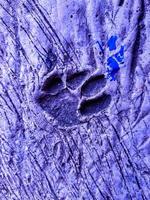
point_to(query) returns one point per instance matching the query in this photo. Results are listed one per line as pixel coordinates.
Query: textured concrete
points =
(74, 124)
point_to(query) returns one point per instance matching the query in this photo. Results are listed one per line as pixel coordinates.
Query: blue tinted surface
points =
(112, 43)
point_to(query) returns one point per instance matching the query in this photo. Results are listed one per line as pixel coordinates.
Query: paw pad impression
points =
(65, 106)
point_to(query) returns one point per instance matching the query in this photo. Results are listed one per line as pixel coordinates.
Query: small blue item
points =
(113, 64)
(120, 55)
(112, 43)
(112, 69)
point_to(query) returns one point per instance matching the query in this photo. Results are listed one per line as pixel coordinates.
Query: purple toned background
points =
(66, 131)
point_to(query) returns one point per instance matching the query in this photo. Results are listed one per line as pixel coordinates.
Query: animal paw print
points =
(68, 100)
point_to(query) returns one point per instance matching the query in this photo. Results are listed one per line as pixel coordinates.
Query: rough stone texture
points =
(66, 132)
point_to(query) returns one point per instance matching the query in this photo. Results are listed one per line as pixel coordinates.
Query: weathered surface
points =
(66, 131)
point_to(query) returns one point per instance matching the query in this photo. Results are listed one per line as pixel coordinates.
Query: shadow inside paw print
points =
(93, 106)
(93, 85)
(76, 79)
(68, 108)
(53, 84)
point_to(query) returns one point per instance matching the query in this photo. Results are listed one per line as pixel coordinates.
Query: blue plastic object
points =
(112, 43)
(114, 60)
(113, 68)
(113, 64)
